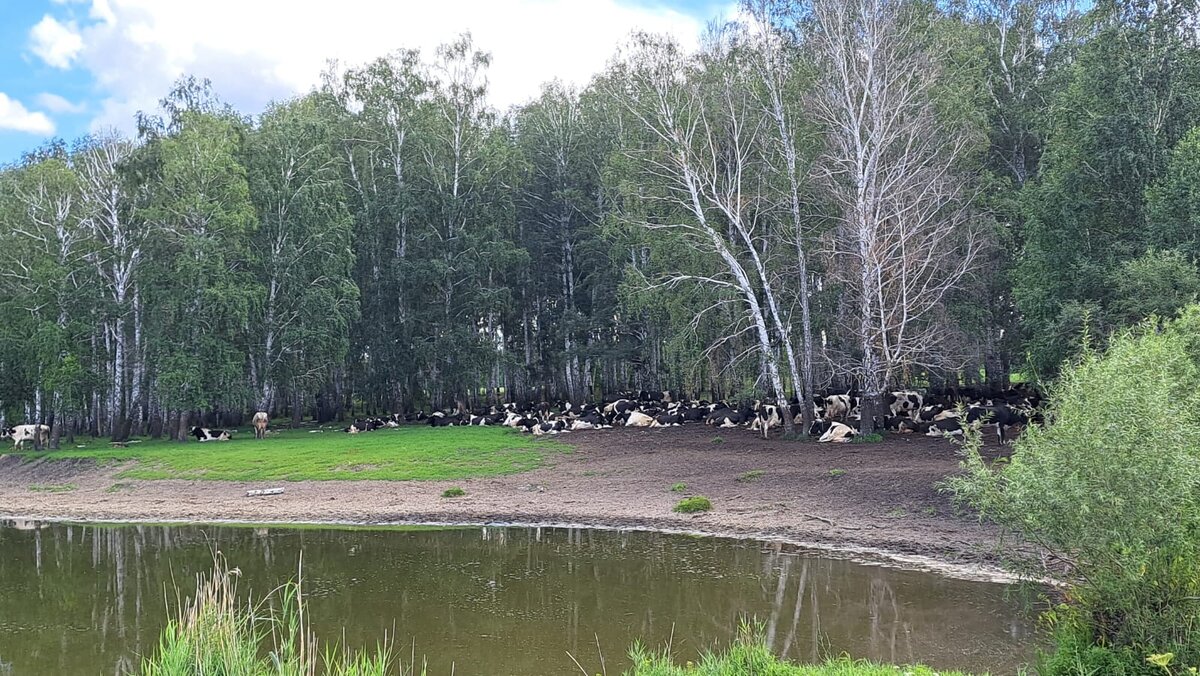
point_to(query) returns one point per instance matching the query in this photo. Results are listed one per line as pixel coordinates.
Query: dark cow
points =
(440, 419)
(205, 434)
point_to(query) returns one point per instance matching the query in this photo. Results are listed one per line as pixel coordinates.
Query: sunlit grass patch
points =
(408, 453)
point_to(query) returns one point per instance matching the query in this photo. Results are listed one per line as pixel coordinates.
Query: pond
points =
(89, 599)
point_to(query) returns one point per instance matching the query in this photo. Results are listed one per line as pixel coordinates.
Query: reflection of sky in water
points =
(88, 599)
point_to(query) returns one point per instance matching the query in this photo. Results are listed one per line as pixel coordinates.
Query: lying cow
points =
(838, 434)
(38, 434)
(205, 434)
(638, 419)
(260, 421)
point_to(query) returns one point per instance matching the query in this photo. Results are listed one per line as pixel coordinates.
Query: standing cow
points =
(260, 421)
(38, 434)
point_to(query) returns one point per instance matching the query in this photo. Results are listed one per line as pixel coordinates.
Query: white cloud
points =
(55, 43)
(57, 104)
(273, 48)
(16, 117)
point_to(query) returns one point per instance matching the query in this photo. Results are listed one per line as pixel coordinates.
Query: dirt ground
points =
(879, 498)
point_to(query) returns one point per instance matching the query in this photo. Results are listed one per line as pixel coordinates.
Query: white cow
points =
(39, 434)
(260, 421)
(837, 433)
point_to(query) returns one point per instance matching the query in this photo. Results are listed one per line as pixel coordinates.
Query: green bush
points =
(453, 492)
(1111, 488)
(679, 487)
(696, 503)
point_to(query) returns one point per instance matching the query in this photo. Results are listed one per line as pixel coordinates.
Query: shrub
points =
(1109, 487)
(696, 503)
(835, 473)
(679, 487)
(453, 492)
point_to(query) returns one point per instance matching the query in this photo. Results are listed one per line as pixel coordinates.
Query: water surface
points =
(88, 600)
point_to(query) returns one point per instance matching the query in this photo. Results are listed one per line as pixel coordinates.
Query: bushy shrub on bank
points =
(1110, 487)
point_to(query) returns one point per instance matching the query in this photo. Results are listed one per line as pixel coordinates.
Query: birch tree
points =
(774, 60)
(301, 252)
(707, 149)
(906, 237)
(116, 253)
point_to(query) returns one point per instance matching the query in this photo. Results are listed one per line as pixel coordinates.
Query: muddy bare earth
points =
(879, 497)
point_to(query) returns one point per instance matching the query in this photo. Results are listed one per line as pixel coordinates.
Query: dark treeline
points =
(832, 194)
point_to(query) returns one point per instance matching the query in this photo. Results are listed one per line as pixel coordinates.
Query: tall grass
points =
(218, 634)
(750, 656)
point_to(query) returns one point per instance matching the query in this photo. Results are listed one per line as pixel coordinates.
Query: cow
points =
(950, 427)
(724, 416)
(765, 417)
(667, 420)
(260, 421)
(440, 419)
(553, 427)
(204, 434)
(904, 402)
(837, 406)
(38, 434)
(638, 419)
(838, 434)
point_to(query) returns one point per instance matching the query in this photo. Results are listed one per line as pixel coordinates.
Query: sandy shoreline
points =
(881, 505)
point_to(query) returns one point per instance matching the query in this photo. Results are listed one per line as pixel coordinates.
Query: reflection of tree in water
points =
(97, 596)
(886, 624)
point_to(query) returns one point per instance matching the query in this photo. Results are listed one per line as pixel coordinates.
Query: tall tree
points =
(906, 237)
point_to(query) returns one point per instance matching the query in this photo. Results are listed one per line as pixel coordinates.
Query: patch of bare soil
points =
(873, 495)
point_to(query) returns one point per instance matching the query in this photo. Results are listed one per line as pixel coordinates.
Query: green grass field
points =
(408, 453)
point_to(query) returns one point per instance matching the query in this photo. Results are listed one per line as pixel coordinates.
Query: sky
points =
(71, 67)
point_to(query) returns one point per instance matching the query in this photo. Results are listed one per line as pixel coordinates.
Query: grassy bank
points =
(408, 453)
(749, 656)
(217, 632)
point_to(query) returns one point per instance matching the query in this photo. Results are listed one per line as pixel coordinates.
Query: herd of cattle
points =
(836, 417)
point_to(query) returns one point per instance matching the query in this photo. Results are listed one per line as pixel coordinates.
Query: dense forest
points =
(826, 195)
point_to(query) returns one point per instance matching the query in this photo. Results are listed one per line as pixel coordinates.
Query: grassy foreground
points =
(407, 453)
(215, 632)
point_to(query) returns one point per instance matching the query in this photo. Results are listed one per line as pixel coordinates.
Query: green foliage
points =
(1157, 283)
(750, 476)
(679, 487)
(414, 453)
(1173, 201)
(453, 492)
(873, 438)
(835, 473)
(1109, 486)
(696, 503)
(1126, 99)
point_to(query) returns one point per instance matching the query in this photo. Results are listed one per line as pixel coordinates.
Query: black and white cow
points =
(837, 406)
(205, 434)
(38, 434)
(904, 402)
(838, 434)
